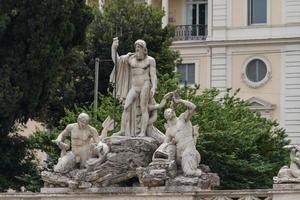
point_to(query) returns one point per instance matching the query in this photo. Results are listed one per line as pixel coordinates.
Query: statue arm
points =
(190, 109)
(153, 76)
(152, 118)
(95, 135)
(62, 136)
(158, 106)
(162, 102)
(168, 138)
(114, 53)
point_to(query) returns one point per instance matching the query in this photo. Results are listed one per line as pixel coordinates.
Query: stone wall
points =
(158, 193)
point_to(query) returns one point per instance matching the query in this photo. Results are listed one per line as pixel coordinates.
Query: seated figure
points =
(85, 143)
(181, 133)
(292, 172)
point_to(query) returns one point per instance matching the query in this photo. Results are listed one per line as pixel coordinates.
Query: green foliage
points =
(17, 167)
(128, 21)
(36, 37)
(245, 149)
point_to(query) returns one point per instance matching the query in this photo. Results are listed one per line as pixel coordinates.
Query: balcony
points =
(190, 32)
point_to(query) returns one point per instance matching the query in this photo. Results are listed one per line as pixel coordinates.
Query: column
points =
(165, 7)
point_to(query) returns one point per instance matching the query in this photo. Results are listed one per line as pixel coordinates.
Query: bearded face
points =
(139, 52)
(169, 114)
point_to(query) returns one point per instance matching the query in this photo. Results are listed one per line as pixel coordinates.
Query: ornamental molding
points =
(261, 83)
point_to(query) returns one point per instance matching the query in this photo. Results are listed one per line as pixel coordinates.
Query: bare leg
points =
(144, 96)
(123, 121)
(132, 94)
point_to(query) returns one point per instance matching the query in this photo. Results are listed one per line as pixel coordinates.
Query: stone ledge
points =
(125, 190)
(154, 193)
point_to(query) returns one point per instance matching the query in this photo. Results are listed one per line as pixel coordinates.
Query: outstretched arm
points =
(162, 102)
(190, 109)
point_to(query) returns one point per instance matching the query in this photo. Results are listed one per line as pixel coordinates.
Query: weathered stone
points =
(207, 181)
(127, 154)
(176, 161)
(290, 174)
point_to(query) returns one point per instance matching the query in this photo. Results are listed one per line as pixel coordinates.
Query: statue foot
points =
(142, 135)
(197, 173)
(120, 133)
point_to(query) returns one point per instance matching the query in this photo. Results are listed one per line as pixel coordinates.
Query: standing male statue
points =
(136, 84)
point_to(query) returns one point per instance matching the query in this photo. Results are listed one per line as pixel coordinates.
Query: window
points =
(256, 72)
(187, 73)
(257, 11)
(196, 19)
(196, 12)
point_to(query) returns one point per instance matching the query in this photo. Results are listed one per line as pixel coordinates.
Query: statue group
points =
(139, 151)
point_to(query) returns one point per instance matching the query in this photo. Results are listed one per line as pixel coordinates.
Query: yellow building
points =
(253, 45)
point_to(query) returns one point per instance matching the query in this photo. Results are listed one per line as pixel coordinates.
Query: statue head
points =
(169, 114)
(83, 120)
(141, 50)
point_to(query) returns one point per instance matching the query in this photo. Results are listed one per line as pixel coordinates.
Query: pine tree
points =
(35, 36)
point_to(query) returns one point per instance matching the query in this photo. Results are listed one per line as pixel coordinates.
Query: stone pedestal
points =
(287, 191)
(153, 193)
(126, 154)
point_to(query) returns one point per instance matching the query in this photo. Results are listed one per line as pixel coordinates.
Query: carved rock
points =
(165, 173)
(126, 154)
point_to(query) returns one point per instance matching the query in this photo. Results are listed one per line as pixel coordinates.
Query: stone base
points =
(206, 182)
(153, 193)
(119, 169)
(124, 190)
(287, 186)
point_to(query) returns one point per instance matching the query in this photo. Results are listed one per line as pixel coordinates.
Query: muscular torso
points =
(140, 71)
(80, 137)
(182, 133)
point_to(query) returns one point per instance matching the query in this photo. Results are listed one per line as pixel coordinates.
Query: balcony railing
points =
(191, 32)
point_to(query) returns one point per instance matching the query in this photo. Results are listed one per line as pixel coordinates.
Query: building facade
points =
(253, 45)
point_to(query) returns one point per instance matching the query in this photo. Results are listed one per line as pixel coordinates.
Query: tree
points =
(35, 36)
(245, 149)
(128, 21)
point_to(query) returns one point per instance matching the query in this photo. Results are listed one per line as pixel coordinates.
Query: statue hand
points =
(55, 142)
(168, 95)
(115, 43)
(152, 92)
(175, 100)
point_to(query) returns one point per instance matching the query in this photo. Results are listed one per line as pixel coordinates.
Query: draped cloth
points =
(123, 82)
(122, 87)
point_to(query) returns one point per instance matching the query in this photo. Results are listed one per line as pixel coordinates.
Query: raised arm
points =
(190, 109)
(153, 76)
(94, 134)
(162, 102)
(114, 47)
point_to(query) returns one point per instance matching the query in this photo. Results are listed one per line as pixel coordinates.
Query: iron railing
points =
(190, 32)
